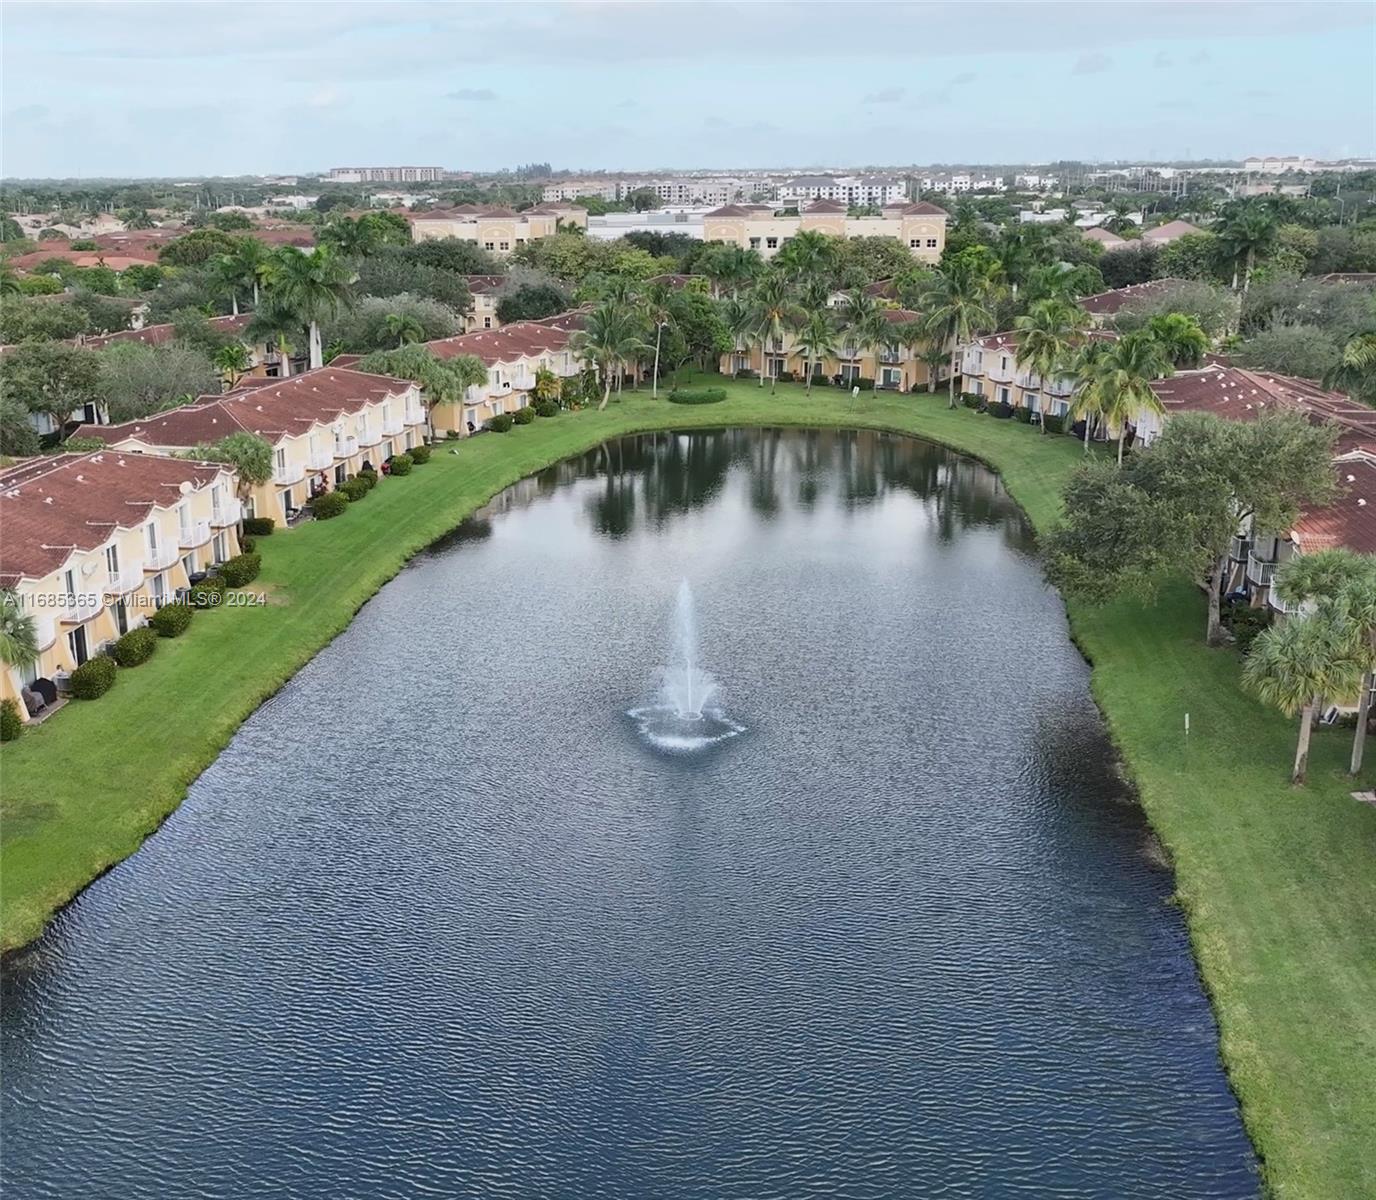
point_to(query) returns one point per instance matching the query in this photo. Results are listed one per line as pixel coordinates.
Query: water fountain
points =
(684, 716)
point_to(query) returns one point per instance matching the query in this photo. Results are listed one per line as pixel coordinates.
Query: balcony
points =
(1259, 571)
(162, 557)
(345, 447)
(287, 473)
(84, 606)
(415, 414)
(226, 512)
(195, 535)
(44, 630)
(501, 387)
(392, 425)
(850, 351)
(369, 436)
(523, 383)
(128, 580)
(319, 457)
(1000, 374)
(889, 355)
(1289, 608)
(1239, 549)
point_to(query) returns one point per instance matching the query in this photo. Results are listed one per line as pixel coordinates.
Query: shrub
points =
(259, 526)
(546, 408)
(1001, 410)
(746, 373)
(523, 416)
(785, 376)
(354, 488)
(11, 723)
(865, 385)
(1245, 622)
(247, 545)
(420, 455)
(500, 423)
(331, 504)
(135, 647)
(697, 396)
(241, 569)
(1053, 423)
(451, 435)
(369, 479)
(1023, 414)
(171, 620)
(93, 678)
(206, 594)
(400, 464)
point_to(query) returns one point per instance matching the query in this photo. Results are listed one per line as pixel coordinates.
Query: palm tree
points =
(242, 270)
(314, 287)
(816, 338)
(232, 360)
(9, 285)
(775, 312)
(1083, 366)
(659, 310)
(405, 328)
(1354, 369)
(1181, 338)
(960, 306)
(729, 267)
(609, 339)
(809, 254)
(18, 632)
(874, 332)
(1249, 231)
(739, 320)
(1126, 373)
(1295, 664)
(1047, 335)
(278, 327)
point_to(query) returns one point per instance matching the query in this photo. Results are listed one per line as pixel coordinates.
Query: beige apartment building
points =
(989, 367)
(497, 230)
(921, 227)
(323, 426)
(94, 543)
(485, 291)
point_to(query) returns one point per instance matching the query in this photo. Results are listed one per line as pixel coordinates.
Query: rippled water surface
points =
(438, 923)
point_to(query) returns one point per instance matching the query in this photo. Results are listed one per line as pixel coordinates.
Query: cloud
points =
(888, 95)
(1199, 58)
(476, 95)
(1091, 64)
(1162, 60)
(962, 79)
(325, 97)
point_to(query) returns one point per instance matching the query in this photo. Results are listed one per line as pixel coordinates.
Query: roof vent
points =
(47, 499)
(1361, 503)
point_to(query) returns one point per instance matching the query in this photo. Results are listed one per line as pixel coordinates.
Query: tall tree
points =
(816, 338)
(1047, 335)
(314, 287)
(247, 453)
(960, 306)
(775, 313)
(1247, 232)
(441, 380)
(279, 327)
(1181, 338)
(610, 339)
(1126, 372)
(18, 631)
(404, 328)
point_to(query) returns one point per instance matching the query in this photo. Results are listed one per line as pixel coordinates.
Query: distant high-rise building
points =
(384, 174)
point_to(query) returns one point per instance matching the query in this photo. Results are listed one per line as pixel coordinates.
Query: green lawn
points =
(1278, 884)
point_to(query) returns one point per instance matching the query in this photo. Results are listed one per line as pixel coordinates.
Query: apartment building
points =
(1102, 307)
(323, 426)
(384, 174)
(990, 367)
(497, 230)
(485, 291)
(571, 189)
(513, 355)
(895, 367)
(921, 226)
(855, 191)
(1278, 165)
(94, 543)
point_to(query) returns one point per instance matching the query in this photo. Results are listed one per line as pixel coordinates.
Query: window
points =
(754, 243)
(771, 243)
(489, 245)
(931, 243)
(487, 322)
(189, 565)
(1030, 399)
(504, 246)
(1003, 395)
(914, 243)
(76, 645)
(159, 589)
(220, 554)
(152, 540)
(890, 377)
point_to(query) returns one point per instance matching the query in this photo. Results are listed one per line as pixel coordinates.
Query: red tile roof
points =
(522, 339)
(157, 335)
(1105, 237)
(1107, 303)
(1351, 520)
(54, 506)
(825, 206)
(1169, 232)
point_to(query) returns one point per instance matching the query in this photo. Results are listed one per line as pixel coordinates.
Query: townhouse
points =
(895, 366)
(921, 227)
(323, 427)
(513, 355)
(497, 230)
(1102, 307)
(94, 543)
(484, 289)
(990, 367)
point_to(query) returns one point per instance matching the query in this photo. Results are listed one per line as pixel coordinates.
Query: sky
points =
(187, 89)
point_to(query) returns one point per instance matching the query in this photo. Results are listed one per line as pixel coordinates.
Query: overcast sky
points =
(247, 88)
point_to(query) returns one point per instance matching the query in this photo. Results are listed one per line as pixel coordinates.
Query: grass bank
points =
(1278, 884)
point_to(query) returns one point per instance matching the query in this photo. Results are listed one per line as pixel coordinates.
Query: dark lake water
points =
(439, 923)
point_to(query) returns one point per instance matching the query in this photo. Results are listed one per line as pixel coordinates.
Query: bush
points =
(546, 408)
(420, 455)
(785, 377)
(11, 723)
(746, 373)
(369, 479)
(247, 544)
(354, 488)
(501, 423)
(171, 620)
(971, 400)
(697, 396)
(241, 569)
(331, 504)
(400, 464)
(523, 416)
(1023, 414)
(135, 647)
(1053, 423)
(1245, 622)
(451, 435)
(206, 594)
(1001, 410)
(93, 678)
(259, 526)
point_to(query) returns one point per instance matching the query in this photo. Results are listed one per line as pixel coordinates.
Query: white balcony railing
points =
(345, 447)
(318, 458)
(1281, 606)
(415, 414)
(392, 425)
(83, 607)
(128, 580)
(1259, 571)
(162, 557)
(523, 383)
(1000, 374)
(226, 512)
(1239, 548)
(369, 436)
(889, 354)
(44, 630)
(288, 473)
(195, 535)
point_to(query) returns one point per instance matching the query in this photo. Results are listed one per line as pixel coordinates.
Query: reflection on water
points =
(437, 921)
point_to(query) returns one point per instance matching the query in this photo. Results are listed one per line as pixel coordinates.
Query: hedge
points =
(746, 373)
(1023, 414)
(971, 399)
(135, 647)
(400, 464)
(331, 504)
(697, 396)
(1053, 423)
(171, 620)
(501, 423)
(259, 526)
(1001, 410)
(241, 569)
(354, 488)
(93, 678)
(369, 479)
(523, 416)
(11, 723)
(206, 594)
(546, 408)
(420, 455)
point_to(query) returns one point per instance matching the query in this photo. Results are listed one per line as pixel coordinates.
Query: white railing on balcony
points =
(415, 414)
(1000, 374)
(1259, 571)
(1281, 606)
(345, 447)
(161, 558)
(1060, 387)
(288, 472)
(127, 580)
(850, 351)
(1239, 548)
(44, 630)
(82, 607)
(523, 383)
(392, 425)
(501, 387)
(369, 436)
(318, 458)
(890, 354)
(226, 512)
(195, 535)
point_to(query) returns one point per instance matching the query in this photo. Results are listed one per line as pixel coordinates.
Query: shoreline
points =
(1310, 1125)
